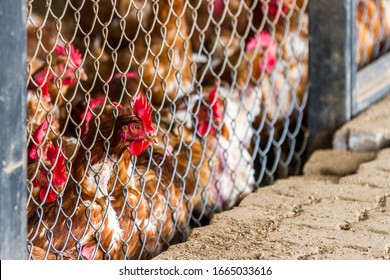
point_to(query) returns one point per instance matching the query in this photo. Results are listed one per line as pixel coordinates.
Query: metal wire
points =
(227, 84)
(373, 30)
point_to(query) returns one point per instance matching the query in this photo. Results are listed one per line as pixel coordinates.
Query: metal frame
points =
(332, 68)
(338, 91)
(372, 83)
(13, 160)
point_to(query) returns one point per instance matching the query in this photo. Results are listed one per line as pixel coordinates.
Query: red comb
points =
(214, 102)
(76, 59)
(87, 252)
(268, 45)
(203, 115)
(263, 40)
(38, 136)
(59, 171)
(95, 101)
(48, 190)
(74, 54)
(129, 75)
(43, 83)
(219, 7)
(51, 195)
(273, 7)
(144, 112)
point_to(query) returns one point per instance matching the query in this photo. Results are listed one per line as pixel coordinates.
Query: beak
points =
(152, 138)
(83, 75)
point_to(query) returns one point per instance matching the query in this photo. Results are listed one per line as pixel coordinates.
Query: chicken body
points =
(115, 206)
(291, 75)
(77, 216)
(47, 155)
(147, 210)
(217, 34)
(118, 22)
(210, 156)
(162, 55)
(152, 213)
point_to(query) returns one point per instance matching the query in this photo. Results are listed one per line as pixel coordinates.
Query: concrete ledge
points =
(314, 217)
(335, 163)
(370, 131)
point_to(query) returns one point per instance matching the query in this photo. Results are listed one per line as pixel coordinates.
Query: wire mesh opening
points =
(220, 85)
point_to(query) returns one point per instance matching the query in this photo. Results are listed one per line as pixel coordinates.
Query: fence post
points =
(332, 68)
(13, 190)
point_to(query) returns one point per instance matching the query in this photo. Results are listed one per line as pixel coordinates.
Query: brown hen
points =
(115, 205)
(162, 55)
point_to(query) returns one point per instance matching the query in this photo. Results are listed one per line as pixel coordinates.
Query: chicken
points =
(48, 87)
(43, 35)
(210, 158)
(40, 107)
(90, 111)
(385, 15)
(40, 38)
(98, 110)
(117, 22)
(234, 18)
(66, 70)
(217, 38)
(274, 73)
(278, 60)
(46, 168)
(217, 34)
(250, 78)
(293, 64)
(162, 55)
(251, 84)
(373, 28)
(230, 127)
(47, 174)
(114, 206)
(47, 155)
(106, 27)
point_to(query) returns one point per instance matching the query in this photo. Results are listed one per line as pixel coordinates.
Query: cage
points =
(221, 85)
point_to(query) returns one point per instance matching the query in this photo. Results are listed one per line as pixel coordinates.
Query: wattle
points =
(51, 195)
(87, 252)
(203, 129)
(137, 147)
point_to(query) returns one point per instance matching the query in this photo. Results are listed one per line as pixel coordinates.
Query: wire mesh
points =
(220, 85)
(373, 30)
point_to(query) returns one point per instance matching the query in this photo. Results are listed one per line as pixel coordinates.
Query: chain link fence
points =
(145, 118)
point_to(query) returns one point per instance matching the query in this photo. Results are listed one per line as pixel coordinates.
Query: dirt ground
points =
(340, 209)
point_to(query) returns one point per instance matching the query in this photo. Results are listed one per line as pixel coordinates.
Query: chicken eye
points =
(135, 127)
